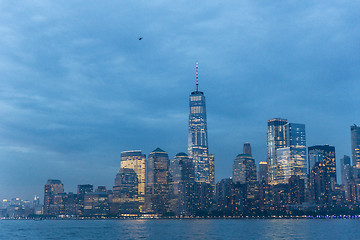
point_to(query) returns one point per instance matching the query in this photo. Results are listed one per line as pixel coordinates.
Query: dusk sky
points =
(78, 87)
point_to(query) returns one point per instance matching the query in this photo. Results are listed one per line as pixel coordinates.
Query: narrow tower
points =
(197, 138)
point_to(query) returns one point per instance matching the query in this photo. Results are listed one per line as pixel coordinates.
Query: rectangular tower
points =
(136, 161)
(325, 154)
(275, 139)
(355, 145)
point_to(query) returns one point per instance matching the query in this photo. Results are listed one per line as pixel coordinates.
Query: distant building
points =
(291, 159)
(52, 189)
(345, 167)
(183, 185)
(247, 149)
(263, 172)
(355, 145)
(244, 167)
(320, 186)
(198, 137)
(125, 193)
(212, 170)
(325, 154)
(96, 204)
(137, 161)
(224, 196)
(276, 138)
(296, 189)
(81, 191)
(158, 182)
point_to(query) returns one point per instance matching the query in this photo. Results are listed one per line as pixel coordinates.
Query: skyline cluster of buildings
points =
(293, 179)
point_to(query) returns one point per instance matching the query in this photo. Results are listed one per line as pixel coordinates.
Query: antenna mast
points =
(197, 77)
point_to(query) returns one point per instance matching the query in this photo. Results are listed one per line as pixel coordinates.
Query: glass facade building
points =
(295, 152)
(355, 145)
(197, 138)
(275, 139)
(136, 161)
(325, 154)
(157, 182)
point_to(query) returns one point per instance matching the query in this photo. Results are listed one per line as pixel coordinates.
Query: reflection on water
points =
(181, 229)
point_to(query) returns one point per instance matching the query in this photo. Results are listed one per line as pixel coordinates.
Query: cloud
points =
(78, 87)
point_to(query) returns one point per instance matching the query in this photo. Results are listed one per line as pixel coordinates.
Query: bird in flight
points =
(140, 38)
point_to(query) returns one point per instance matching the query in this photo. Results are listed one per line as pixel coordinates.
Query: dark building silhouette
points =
(263, 172)
(183, 185)
(52, 197)
(296, 189)
(158, 182)
(81, 191)
(325, 154)
(320, 185)
(224, 196)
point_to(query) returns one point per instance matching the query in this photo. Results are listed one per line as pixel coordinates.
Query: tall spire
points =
(197, 77)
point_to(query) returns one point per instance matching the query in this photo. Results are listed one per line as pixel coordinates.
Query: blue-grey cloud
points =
(77, 87)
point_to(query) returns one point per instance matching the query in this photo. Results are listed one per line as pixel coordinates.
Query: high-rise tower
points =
(355, 145)
(137, 161)
(276, 138)
(197, 139)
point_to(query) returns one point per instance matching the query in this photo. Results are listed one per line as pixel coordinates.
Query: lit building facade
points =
(136, 161)
(53, 188)
(158, 182)
(296, 141)
(325, 154)
(212, 169)
(291, 159)
(355, 145)
(276, 138)
(183, 180)
(244, 169)
(263, 172)
(125, 193)
(82, 190)
(197, 138)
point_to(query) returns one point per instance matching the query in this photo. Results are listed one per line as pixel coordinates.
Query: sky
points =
(78, 87)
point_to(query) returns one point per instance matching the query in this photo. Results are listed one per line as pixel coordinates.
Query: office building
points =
(276, 138)
(325, 154)
(263, 172)
(158, 182)
(136, 161)
(355, 145)
(197, 137)
(53, 188)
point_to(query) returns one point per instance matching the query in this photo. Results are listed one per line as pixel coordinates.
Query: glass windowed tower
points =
(197, 138)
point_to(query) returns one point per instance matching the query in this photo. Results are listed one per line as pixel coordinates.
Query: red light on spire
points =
(197, 77)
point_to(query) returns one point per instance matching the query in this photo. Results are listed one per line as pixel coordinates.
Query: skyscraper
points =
(345, 168)
(182, 172)
(244, 167)
(325, 154)
(136, 161)
(197, 138)
(263, 171)
(157, 184)
(276, 138)
(82, 190)
(125, 193)
(52, 189)
(212, 169)
(355, 145)
(291, 159)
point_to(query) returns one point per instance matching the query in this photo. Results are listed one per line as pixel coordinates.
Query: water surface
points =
(182, 229)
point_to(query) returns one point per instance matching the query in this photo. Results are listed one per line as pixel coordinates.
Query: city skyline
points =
(78, 93)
